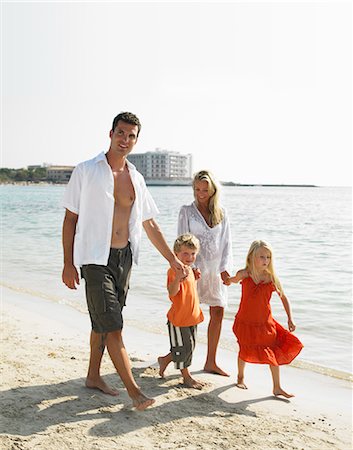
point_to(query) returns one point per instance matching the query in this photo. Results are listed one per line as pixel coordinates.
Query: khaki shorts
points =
(107, 288)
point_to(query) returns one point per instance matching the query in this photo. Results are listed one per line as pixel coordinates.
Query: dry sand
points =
(44, 404)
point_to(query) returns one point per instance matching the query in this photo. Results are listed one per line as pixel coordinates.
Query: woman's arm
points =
(226, 261)
(183, 221)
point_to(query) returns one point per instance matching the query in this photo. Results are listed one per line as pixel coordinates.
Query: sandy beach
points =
(44, 404)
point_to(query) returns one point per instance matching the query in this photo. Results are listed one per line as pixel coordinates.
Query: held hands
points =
(181, 275)
(225, 278)
(291, 325)
(180, 269)
(197, 273)
(70, 276)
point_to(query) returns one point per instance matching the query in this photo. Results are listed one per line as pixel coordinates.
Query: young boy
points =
(185, 312)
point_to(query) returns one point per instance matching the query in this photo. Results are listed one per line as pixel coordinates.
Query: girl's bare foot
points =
(194, 384)
(163, 363)
(240, 383)
(101, 385)
(215, 370)
(141, 402)
(279, 391)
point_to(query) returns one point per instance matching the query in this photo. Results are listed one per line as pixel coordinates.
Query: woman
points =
(209, 223)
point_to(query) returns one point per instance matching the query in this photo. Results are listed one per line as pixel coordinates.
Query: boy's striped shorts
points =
(182, 344)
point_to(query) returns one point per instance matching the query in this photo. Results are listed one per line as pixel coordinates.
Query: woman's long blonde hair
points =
(216, 213)
(250, 264)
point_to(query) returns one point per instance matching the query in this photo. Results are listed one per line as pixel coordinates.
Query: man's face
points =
(123, 138)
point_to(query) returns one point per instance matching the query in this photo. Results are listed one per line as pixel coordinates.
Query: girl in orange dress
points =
(261, 339)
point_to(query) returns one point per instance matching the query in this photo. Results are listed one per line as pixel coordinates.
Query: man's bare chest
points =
(124, 193)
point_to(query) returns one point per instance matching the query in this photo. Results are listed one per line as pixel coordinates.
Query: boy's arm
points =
(240, 275)
(174, 284)
(173, 287)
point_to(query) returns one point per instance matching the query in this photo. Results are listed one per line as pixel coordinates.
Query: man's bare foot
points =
(101, 385)
(280, 391)
(240, 383)
(141, 402)
(162, 365)
(215, 370)
(194, 384)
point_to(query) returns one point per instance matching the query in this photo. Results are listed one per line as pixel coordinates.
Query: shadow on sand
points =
(33, 409)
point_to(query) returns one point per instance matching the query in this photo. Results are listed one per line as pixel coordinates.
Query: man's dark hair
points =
(127, 117)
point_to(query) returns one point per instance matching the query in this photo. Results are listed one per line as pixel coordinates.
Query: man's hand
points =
(178, 266)
(70, 276)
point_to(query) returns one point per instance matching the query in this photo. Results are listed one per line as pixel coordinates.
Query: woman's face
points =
(201, 193)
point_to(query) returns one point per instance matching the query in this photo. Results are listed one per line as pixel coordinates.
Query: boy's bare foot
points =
(101, 385)
(215, 370)
(162, 365)
(141, 402)
(194, 384)
(280, 391)
(240, 383)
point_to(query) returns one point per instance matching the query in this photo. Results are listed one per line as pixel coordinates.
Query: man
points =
(107, 203)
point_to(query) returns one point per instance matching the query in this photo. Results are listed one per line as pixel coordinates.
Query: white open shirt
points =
(90, 195)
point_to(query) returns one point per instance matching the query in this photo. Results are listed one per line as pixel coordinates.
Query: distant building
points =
(34, 167)
(163, 166)
(59, 174)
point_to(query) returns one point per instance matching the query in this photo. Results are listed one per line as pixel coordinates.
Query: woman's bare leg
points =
(213, 335)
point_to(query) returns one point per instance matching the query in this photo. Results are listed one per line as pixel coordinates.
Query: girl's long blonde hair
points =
(216, 213)
(250, 264)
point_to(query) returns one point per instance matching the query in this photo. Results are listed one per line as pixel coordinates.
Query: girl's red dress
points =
(261, 339)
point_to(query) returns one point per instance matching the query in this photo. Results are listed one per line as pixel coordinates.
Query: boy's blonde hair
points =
(250, 264)
(189, 240)
(216, 213)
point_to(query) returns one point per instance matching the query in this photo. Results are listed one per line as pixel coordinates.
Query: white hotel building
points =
(163, 167)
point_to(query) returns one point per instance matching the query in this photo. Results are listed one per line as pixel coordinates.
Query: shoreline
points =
(297, 363)
(167, 183)
(45, 355)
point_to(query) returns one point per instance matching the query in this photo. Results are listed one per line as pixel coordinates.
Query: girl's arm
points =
(240, 275)
(288, 309)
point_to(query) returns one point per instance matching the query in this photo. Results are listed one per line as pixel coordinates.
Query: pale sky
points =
(257, 92)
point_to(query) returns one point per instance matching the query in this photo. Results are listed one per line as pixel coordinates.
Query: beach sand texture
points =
(44, 404)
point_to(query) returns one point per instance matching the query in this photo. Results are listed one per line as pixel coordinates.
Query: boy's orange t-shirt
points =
(185, 310)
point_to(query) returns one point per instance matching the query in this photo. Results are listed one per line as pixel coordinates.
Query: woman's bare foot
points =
(215, 370)
(141, 402)
(279, 391)
(240, 383)
(192, 383)
(163, 364)
(101, 385)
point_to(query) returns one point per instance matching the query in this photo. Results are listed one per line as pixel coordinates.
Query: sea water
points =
(308, 228)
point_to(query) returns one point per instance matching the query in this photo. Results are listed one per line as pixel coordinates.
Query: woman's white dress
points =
(215, 254)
